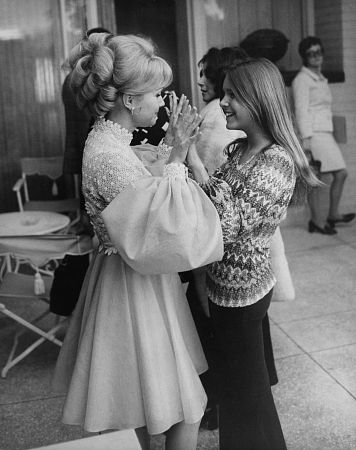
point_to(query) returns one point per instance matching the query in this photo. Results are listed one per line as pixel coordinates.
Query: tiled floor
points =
(315, 347)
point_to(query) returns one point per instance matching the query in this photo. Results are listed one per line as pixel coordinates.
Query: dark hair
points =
(305, 44)
(216, 61)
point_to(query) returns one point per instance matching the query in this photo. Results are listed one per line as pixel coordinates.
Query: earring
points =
(132, 110)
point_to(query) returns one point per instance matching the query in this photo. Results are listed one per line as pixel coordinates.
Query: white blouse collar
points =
(313, 75)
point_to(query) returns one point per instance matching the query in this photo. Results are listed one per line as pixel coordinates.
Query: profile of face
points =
(146, 107)
(207, 88)
(238, 117)
(314, 56)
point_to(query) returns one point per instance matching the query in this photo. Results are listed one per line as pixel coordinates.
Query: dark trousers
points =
(210, 379)
(248, 418)
(204, 328)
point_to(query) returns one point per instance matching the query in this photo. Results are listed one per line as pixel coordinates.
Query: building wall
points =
(35, 38)
(344, 96)
(213, 23)
(219, 24)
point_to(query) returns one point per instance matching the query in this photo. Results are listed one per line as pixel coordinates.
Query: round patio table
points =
(28, 223)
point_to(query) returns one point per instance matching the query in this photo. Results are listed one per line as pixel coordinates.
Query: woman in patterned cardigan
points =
(264, 172)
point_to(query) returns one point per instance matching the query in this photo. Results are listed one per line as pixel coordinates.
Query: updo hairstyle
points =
(106, 66)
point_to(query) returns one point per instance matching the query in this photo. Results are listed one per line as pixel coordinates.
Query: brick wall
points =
(328, 27)
(335, 23)
(344, 99)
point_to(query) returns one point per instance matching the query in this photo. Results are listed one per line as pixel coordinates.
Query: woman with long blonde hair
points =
(264, 172)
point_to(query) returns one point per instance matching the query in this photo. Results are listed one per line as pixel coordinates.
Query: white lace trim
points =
(109, 165)
(175, 170)
(164, 150)
(120, 133)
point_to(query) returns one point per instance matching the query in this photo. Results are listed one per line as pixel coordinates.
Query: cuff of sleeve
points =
(164, 150)
(175, 170)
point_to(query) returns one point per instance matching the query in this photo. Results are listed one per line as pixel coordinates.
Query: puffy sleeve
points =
(300, 89)
(153, 157)
(164, 224)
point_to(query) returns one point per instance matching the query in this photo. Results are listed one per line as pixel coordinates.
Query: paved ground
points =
(314, 339)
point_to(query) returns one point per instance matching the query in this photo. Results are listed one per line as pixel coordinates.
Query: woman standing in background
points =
(312, 102)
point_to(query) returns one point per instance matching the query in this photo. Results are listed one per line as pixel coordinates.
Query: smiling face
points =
(207, 88)
(146, 108)
(238, 117)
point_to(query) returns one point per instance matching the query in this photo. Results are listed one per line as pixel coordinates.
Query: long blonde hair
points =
(259, 86)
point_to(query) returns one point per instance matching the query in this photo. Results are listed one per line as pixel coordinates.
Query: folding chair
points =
(40, 255)
(50, 167)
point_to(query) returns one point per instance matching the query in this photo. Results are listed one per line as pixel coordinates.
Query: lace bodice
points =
(109, 165)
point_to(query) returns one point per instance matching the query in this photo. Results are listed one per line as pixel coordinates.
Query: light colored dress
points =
(214, 136)
(312, 103)
(131, 356)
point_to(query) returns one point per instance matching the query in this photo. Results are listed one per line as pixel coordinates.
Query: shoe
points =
(345, 218)
(327, 229)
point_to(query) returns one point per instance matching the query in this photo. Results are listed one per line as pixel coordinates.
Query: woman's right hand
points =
(182, 129)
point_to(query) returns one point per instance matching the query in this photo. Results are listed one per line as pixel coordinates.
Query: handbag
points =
(314, 164)
(67, 283)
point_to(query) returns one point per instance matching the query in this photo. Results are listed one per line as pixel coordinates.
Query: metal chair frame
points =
(11, 279)
(50, 167)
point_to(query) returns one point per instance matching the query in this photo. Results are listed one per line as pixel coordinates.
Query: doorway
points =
(155, 19)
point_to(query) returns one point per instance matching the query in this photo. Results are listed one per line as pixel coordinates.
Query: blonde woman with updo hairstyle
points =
(264, 172)
(131, 357)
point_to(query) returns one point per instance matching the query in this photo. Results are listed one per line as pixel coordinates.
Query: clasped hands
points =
(183, 128)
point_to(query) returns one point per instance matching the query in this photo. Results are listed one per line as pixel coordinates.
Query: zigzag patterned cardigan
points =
(251, 199)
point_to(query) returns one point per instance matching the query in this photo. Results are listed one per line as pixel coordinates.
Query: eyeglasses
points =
(314, 53)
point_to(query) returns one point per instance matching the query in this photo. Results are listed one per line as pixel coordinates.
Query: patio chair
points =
(51, 168)
(27, 268)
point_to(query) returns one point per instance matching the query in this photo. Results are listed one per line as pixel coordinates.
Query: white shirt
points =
(312, 103)
(214, 136)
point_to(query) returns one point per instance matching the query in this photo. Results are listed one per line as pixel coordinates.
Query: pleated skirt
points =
(131, 356)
